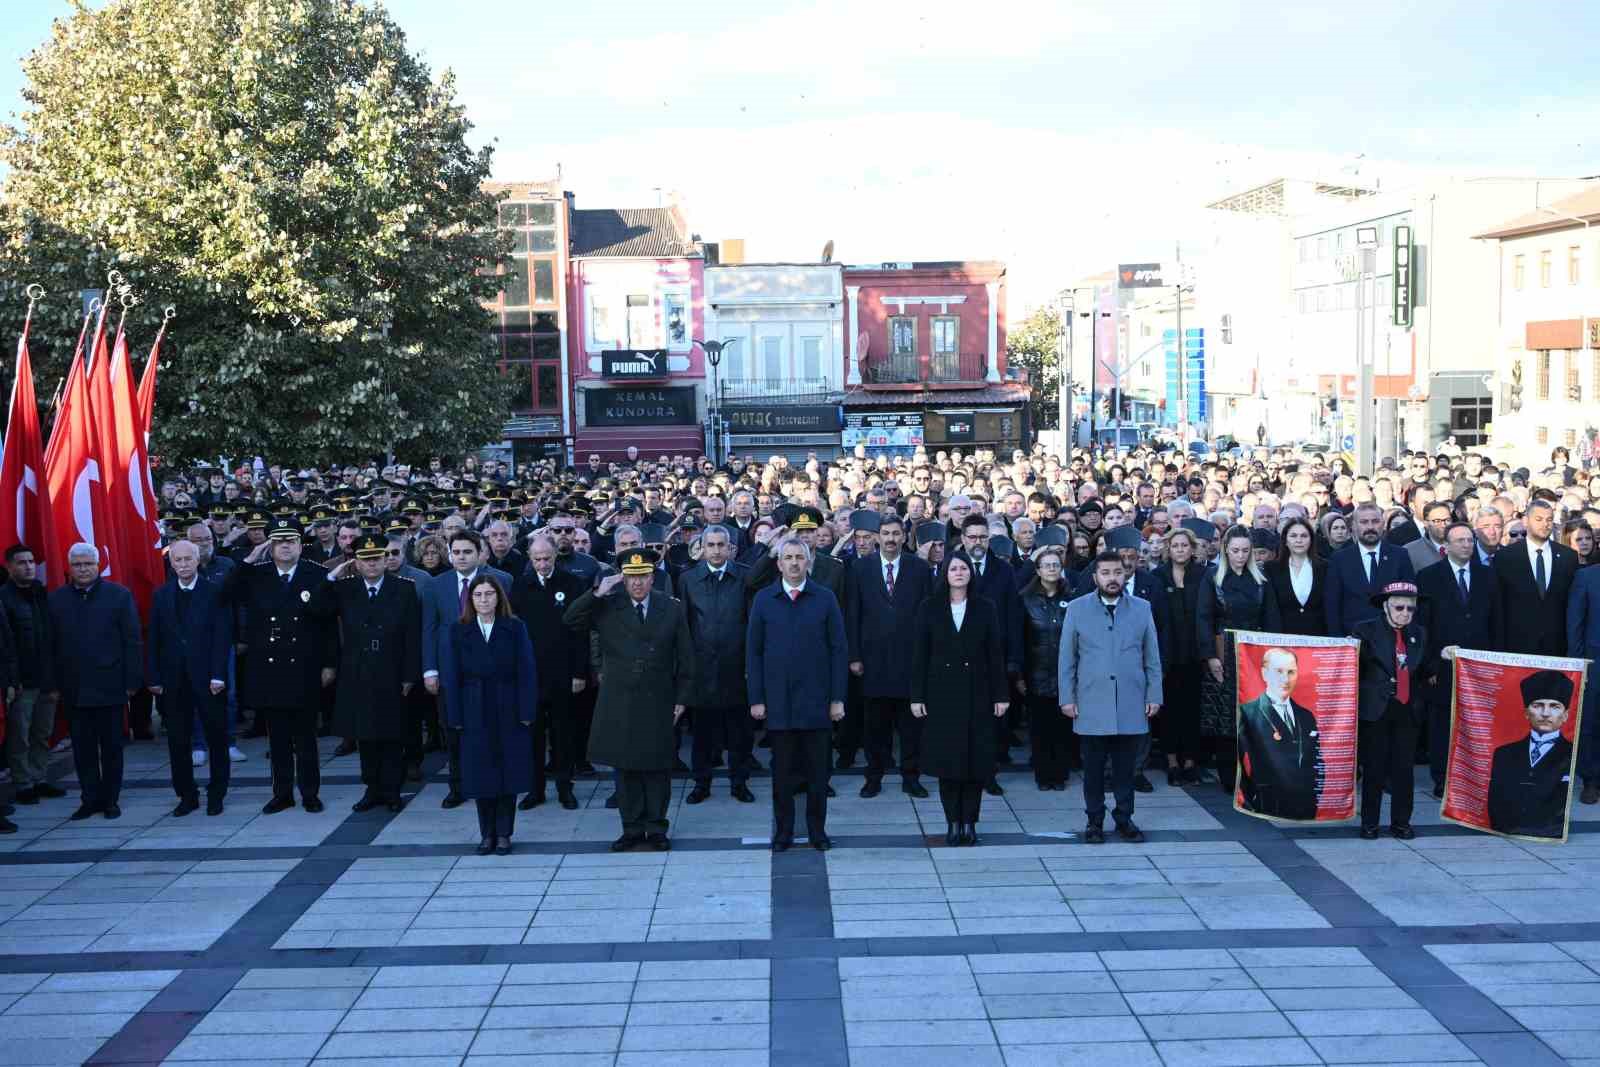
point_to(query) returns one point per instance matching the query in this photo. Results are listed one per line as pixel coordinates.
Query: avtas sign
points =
(797, 418)
(640, 407)
(1139, 276)
(1402, 276)
(633, 363)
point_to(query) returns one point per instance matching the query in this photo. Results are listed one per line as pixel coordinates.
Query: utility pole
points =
(1064, 303)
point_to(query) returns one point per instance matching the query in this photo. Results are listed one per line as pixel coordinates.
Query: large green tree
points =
(1035, 344)
(299, 185)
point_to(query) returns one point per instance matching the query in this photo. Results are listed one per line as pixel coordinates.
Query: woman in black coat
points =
(1236, 598)
(1183, 579)
(958, 689)
(1298, 580)
(1044, 605)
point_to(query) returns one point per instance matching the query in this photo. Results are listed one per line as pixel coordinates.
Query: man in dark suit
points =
(882, 591)
(286, 658)
(713, 598)
(94, 631)
(647, 667)
(1280, 754)
(561, 659)
(190, 636)
(1459, 607)
(379, 665)
(1530, 777)
(443, 601)
(1533, 580)
(795, 653)
(1365, 565)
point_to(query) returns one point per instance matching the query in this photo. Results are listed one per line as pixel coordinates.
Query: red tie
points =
(888, 580)
(1402, 674)
(794, 594)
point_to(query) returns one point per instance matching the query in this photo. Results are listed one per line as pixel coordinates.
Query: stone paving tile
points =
(1549, 988)
(65, 1018)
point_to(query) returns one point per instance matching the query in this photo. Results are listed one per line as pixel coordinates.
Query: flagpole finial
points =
(128, 300)
(95, 305)
(113, 279)
(35, 292)
(169, 313)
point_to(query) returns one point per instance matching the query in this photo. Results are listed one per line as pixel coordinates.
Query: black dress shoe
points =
(782, 844)
(1369, 833)
(915, 789)
(952, 833)
(970, 838)
(1130, 833)
(312, 805)
(396, 805)
(277, 804)
(502, 847)
(112, 811)
(531, 801)
(213, 805)
(742, 794)
(49, 791)
(452, 799)
(27, 796)
(1141, 784)
(871, 789)
(7, 826)
(345, 748)
(626, 842)
(185, 806)
(1094, 835)
(611, 801)
(366, 803)
(821, 842)
(568, 801)
(993, 788)
(83, 812)
(698, 795)
(659, 842)
(1590, 794)
(485, 846)
(1404, 831)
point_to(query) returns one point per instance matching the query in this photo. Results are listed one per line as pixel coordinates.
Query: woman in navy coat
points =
(491, 697)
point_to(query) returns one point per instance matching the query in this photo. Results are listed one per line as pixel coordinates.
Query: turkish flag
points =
(24, 508)
(72, 469)
(147, 386)
(130, 500)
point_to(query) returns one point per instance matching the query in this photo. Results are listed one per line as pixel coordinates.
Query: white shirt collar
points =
(789, 590)
(286, 574)
(373, 585)
(190, 587)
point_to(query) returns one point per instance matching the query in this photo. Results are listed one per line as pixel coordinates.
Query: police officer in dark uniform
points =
(286, 657)
(380, 663)
(256, 521)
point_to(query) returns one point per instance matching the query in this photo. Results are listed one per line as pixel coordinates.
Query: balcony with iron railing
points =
(779, 391)
(936, 368)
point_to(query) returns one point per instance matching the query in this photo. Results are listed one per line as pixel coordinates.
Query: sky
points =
(1061, 137)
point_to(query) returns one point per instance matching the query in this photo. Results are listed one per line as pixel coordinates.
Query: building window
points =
(1303, 247)
(602, 331)
(642, 331)
(1544, 269)
(809, 358)
(1518, 271)
(675, 318)
(1322, 247)
(946, 348)
(1574, 264)
(1544, 374)
(1574, 390)
(1570, 438)
(547, 386)
(1325, 298)
(1541, 435)
(544, 281)
(772, 359)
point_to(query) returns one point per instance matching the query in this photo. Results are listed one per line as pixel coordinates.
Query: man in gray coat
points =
(1110, 687)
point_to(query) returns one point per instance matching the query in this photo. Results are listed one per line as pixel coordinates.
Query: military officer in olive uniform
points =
(285, 658)
(380, 663)
(646, 669)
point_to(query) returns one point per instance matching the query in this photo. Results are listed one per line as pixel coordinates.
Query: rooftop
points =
(648, 232)
(1570, 211)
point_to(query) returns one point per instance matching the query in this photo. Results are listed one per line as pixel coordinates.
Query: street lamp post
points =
(713, 351)
(1064, 376)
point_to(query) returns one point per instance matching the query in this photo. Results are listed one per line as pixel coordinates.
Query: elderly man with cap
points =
(1529, 778)
(1393, 649)
(285, 658)
(647, 668)
(379, 665)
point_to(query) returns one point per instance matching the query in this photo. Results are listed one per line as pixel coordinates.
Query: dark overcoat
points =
(286, 646)
(795, 656)
(97, 644)
(644, 671)
(380, 652)
(960, 676)
(717, 610)
(494, 696)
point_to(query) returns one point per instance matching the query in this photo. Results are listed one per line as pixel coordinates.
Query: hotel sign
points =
(1403, 279)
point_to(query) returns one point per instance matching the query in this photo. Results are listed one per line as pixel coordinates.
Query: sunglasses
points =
(393, 552)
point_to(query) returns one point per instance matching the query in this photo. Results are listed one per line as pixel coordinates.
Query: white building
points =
(1544, 348)
(782, 371)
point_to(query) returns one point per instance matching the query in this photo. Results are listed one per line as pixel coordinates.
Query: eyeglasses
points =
(393, 552)
(562, 529)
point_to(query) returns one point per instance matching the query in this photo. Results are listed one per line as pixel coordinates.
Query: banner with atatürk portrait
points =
(1513, 743)
(1296, 722)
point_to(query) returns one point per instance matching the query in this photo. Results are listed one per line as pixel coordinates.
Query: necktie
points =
(1402, 674)
(639, 609)
(794, 594)
(372, 592)
(1538, 569)
(286, 575)
(1441, 552)
(1536, 753)
(1372, 565)
(1461, 585)
(463, 596)
(888, 580)
(1286, 716)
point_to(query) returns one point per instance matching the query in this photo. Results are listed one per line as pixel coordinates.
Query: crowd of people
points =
(939, 613)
